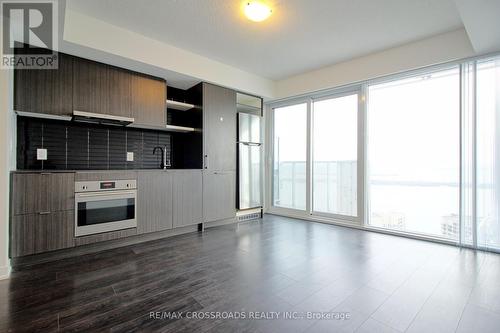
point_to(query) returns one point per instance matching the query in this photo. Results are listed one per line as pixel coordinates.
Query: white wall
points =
(438, 49)
(82, 30)
(6, 144)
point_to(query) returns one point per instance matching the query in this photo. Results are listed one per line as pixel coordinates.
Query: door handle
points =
(43, 213)
(206, 161)
(105, 194)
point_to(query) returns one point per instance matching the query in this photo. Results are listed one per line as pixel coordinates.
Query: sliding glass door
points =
(414, 154)
(290, 156)
(417, 154)
(335, 155)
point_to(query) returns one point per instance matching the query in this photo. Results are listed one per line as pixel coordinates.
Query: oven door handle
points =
(106, 194)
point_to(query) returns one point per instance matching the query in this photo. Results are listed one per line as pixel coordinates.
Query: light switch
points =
(41, 154)
(130, 156)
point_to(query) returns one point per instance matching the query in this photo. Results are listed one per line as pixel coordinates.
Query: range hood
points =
(99, 118)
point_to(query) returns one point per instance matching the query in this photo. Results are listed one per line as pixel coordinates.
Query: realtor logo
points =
(29, 34)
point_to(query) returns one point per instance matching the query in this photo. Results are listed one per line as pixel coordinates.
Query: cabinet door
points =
(154, 201)
(42, 192)
(187, 198)
(219, 128)
(47, 91)
(219, 191)
(120, 92)
(149, 98)
(38, 233)
(90, 86)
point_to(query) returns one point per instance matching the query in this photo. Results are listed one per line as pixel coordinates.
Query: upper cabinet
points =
(48, 91)
(219, 128)
(100, 88)
(148, 103)
(89, 86)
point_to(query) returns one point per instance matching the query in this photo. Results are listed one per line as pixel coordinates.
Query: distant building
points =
(392, 220)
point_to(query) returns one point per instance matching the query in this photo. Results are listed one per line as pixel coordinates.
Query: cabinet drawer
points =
(38, 233)
(34, 193)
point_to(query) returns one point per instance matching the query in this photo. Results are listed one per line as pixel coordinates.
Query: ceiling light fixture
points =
(257, 11)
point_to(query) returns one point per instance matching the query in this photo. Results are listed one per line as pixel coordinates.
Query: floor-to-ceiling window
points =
(488, 153)
(414, 154)
(335, 155)
(290, 156)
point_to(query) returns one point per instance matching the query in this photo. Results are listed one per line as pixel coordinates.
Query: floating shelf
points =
(179, 105)
(181, 129)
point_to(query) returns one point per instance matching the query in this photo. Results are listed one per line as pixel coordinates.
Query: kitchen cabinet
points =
(187, 197)
(148, 101)
(219, 195)
(90, 86)
(119, 92)
(38, 233)
(100, 88)
(34, 193)
(48, 91)
(219, 128)
(154, 201)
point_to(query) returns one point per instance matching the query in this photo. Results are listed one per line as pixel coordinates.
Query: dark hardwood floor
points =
(379, 283)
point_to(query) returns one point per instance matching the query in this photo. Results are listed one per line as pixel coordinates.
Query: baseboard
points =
(4, 272)
(219, 223)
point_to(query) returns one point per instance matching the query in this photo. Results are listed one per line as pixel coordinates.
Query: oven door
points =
(97, 212)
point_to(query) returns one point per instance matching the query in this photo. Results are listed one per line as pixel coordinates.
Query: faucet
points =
(163, 164)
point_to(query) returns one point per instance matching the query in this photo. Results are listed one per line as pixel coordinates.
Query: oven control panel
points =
(105, 185)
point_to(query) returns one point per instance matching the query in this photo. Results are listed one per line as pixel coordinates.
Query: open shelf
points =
(180, 129)
(179, 105)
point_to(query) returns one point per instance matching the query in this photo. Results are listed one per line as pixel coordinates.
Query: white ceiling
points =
(301, 35)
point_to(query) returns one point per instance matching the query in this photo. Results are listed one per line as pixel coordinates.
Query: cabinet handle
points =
(206, 161)
(44, 213)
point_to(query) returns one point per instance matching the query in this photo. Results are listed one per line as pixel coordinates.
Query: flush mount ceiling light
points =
(257, 11)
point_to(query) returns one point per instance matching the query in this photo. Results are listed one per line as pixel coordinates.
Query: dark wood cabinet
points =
(219, 128)
(48, 91)
(90, 86)
(42, 209)
(187, 197)
(148, 101)
(38, 233)
(34, 193)
(100, 88)
(154, 201)
(119, 92)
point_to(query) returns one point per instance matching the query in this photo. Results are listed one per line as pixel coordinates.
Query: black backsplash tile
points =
(76, 146)
(134, 145)
(54, 140)
(117, 149)
(98, 148)
(150, 141)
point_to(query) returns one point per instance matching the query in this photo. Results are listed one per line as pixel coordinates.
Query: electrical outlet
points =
(130, 156)
(41, 154)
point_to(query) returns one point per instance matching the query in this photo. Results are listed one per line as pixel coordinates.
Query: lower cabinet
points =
(219, 195)
(187, 197)
(154, 201)
(37, 233)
